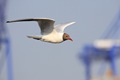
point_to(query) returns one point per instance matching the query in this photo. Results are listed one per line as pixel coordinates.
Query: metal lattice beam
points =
(5, 40)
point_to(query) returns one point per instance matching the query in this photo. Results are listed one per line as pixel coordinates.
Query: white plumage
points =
(49, 32)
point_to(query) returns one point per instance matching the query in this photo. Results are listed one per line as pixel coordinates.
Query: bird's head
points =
(66, 37)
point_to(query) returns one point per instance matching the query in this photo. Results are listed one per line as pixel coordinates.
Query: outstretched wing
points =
(46, 25)
(61, 27)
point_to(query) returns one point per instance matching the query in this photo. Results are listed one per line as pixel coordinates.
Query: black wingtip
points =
(7, 21)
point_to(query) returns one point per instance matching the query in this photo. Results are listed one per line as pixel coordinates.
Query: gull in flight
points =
(49, 32)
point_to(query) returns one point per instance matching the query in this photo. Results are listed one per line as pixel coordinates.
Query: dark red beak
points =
(70, 39)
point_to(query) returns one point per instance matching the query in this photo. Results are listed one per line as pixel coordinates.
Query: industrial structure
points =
(6, 71)
(107, 48)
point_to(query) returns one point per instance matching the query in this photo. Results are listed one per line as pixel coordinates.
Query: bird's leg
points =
(34, 37)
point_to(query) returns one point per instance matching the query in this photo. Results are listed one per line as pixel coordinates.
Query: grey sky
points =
(36, 60)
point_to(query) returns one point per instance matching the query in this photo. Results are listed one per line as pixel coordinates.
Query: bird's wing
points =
(61, 27)
(46, 25)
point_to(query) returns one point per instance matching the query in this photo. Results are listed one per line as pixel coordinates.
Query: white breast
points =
(53, 37)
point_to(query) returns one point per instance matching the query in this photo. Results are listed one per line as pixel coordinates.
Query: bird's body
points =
(49, 32)
(53, 37)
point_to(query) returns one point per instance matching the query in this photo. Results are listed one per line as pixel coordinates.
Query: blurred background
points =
(36, 60)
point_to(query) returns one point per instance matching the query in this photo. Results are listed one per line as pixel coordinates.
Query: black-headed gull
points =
(49, 32)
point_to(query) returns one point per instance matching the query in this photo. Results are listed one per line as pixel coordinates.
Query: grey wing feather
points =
(46, 25)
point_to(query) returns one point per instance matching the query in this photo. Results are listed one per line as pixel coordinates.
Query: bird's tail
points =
(35, 37)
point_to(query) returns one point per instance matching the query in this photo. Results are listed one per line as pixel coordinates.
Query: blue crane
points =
(107, 48)
(5, 40)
